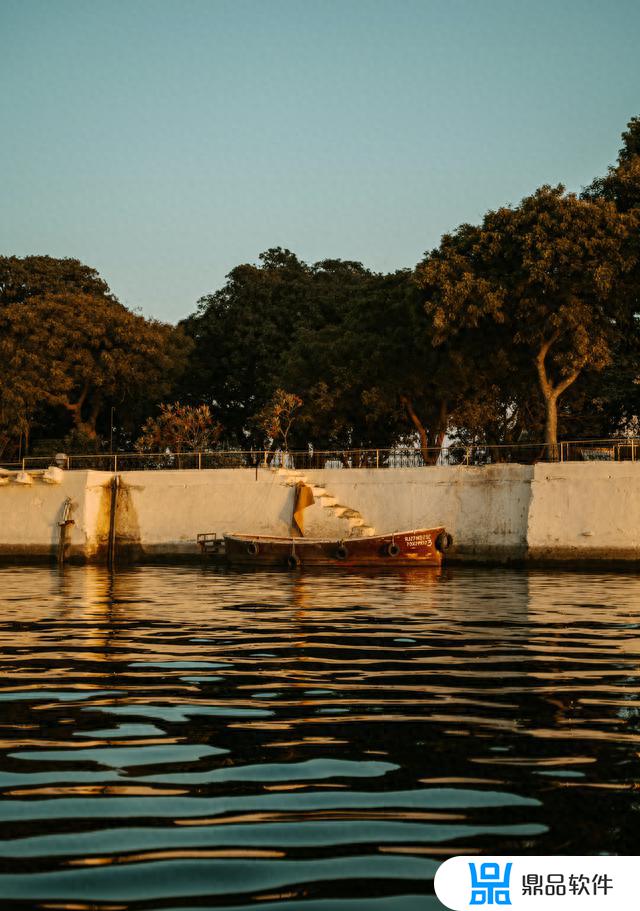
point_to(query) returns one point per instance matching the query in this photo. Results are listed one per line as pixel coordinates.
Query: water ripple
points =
(311, 743)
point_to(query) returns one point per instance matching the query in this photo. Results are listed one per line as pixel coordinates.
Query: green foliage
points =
(277, 416)
(621, 185)
(545, 278)
(69, 349)
(526, 323)
(180, 428)
(240, 333)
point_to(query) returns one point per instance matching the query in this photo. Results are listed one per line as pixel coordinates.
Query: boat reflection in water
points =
(217, 738)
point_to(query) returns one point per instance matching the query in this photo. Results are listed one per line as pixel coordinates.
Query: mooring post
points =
(111, 551)
(65, 528)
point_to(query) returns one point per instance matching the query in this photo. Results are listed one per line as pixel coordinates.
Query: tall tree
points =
(621, 185)
(67, 346)
(545, 277)
(240, 334)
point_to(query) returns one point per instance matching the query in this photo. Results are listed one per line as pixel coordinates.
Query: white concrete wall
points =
(485, 509)
(585, 511)
(566, 512)
(29, 514)
(164, 511)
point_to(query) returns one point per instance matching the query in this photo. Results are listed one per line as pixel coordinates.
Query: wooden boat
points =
(424, 546)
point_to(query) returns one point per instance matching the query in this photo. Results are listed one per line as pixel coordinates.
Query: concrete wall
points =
(585, 511)
(485, 509)
(29, 515)
(162, 512)
(577, 512)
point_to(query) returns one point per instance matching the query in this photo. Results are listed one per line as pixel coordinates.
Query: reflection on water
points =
(181, 738)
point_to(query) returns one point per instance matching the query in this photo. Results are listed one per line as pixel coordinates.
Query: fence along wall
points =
(577, 512)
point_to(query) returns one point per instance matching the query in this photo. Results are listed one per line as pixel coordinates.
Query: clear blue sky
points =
(165, 141)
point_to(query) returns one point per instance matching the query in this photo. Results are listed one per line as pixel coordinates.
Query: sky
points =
(163, 142)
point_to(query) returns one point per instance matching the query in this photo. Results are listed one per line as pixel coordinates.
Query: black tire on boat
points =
(341, 552)
(392, 549)
(293, 561)
(444, 541)
(253, 549)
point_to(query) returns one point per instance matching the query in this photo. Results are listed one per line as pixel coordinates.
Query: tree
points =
(544, 278)
(68, 348)
(621, 185)
(38, 276)
(328, 361)
(241, 333)
(180, 428)
(277, 416)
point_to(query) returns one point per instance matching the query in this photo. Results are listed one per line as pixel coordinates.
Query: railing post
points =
(377, 458)
(23, 463)
(115, 463)
(199, 460)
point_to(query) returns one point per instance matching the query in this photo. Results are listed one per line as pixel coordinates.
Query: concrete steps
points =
(355, 525)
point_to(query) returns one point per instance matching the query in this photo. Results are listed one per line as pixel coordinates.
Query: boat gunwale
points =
(245, 537)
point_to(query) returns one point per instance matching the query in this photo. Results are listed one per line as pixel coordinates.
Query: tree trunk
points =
(551, 427)
(96, 407)
(76, 410)
(430, 454)
(551, 394)
(422, 431)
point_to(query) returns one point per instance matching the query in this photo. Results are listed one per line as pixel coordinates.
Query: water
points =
(177, 738)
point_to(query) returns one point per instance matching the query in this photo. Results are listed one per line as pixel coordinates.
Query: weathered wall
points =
(563, 512)
(162, 512)
(29, 515)
(485, 509)
(586, 511)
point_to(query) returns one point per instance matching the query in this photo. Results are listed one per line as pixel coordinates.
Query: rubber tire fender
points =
(392, 549)
(293, 561)
(443, 541)
(341, 552)
(253, 549)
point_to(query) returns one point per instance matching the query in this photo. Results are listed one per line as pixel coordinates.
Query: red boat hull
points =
(423, 546)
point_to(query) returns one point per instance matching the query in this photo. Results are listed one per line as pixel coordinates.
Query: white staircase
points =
(352, 521)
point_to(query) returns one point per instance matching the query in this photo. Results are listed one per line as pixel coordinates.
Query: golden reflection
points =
(342, 815)
(92, 790)
(520, 661)
(76, 747)
(292, 786)
(75, 906)
(186, 854)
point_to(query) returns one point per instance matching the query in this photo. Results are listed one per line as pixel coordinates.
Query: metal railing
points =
(612, 450)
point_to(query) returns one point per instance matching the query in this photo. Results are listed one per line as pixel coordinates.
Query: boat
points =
(417, 547)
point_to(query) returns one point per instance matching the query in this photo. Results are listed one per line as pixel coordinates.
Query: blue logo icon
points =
(490, 886)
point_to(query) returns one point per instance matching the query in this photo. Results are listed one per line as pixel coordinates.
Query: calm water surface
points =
(188, 738)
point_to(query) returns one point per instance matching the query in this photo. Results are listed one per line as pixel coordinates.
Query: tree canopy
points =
(546, 277)
(69, 349)
(525, 325)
